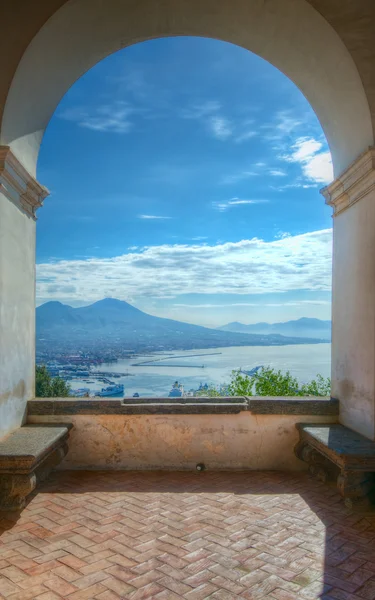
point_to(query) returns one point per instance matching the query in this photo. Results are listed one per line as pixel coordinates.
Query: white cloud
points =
(319, 168)
(216, 305)
(257, 304)
(282, 234)
(105, 118)
(251, 266)
(316, 165)
(277, 173)
(223, 206)
(152, 217)
(295, 184)
(220, 127)
(304, 149)
(220, 206)
(236, 201)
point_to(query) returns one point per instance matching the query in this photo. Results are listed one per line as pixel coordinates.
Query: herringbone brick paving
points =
(169, 536)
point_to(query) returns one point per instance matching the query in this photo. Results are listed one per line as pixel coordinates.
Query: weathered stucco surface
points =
(242, 441)
(353, 316)
(353, 294)
(17, 313)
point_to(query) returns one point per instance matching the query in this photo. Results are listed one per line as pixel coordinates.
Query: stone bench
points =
(27, 456)
(336, 452)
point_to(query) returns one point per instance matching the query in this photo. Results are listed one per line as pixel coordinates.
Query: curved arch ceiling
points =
(291, 35)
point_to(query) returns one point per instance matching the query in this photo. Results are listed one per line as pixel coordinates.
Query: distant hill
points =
(112, 323)
(305, 327)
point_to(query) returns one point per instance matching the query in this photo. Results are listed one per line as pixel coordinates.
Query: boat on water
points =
(111, 390)
(252, 371)
(82, 393)
(136, 395)
(177, 390)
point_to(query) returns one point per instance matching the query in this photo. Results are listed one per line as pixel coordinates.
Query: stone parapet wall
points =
(245, 439)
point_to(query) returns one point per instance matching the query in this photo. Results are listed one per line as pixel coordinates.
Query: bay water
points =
(212, 366)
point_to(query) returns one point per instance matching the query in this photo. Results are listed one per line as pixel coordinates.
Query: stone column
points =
(20, 196)
(352, 196)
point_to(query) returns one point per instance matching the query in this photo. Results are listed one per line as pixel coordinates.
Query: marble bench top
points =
(25, 447)
(338, 441)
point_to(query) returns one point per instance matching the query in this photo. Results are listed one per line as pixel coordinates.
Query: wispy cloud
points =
(246, 132)
(113, 118)
(237, 177)
(251, 266)
(236, 201)
(152, 217)
(220, 127)
(283, 125)
(199, 111)
(212, 114)
(223, 206)
(277, 173)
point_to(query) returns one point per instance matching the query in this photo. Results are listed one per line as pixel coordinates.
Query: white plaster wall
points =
(290, 34)
(17, 313)
(353, 315)
(241, 441)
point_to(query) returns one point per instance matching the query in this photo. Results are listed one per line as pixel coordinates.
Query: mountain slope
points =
(114, 324)
(304, 327)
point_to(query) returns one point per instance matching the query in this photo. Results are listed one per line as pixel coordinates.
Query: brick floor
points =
(169, 536)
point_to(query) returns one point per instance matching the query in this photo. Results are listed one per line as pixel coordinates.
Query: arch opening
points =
(290, 35)
(195, 159)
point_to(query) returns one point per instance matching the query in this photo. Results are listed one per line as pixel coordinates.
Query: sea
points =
(154, 374)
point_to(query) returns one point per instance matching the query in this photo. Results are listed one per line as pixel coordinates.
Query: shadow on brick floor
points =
(168, 535)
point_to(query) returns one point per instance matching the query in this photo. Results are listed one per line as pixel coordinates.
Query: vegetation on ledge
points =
(270, 382)
(49, 387)
(266, 382)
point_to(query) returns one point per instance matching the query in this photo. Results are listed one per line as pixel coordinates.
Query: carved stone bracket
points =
(319, 466)
(14, 489)
(18, 185)
(355, 183)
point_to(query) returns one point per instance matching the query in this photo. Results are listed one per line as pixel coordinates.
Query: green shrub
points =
(270, 382)
(47, 386)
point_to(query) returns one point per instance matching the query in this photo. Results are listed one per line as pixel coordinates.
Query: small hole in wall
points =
(200, 467)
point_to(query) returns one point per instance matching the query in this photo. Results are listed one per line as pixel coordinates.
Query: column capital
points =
(18, 185)
(353, 184)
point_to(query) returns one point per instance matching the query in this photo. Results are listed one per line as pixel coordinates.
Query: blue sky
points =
(184, 177)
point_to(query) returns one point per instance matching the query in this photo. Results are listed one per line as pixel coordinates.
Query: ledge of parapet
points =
(282, 405)
(153, 406)
(135, 406)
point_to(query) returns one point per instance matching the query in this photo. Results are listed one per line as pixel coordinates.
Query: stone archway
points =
(292, 36)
